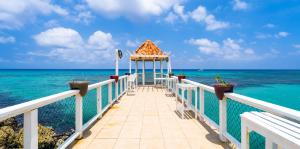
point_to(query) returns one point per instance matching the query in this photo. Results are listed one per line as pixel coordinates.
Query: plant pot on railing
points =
(82, 86)
(171, 74)
(127, 73)
(220, 89)
(115, 77)
(180, 77)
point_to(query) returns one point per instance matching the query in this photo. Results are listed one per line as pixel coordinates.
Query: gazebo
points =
(149, 52)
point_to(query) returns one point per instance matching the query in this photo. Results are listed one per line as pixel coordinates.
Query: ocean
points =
(281, 87)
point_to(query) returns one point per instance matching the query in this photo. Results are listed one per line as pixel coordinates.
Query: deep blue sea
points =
(280, 87)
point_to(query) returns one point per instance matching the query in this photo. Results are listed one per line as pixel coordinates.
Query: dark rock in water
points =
(11, 135)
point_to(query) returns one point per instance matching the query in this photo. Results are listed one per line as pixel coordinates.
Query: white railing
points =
(222, 126)
(30, 111)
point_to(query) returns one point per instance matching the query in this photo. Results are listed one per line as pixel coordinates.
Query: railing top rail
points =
(37, 103)
(262, 105)
(34, 104)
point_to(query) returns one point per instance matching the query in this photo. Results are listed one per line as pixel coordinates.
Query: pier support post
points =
(223, 119)
(31, 129)
(78, 115)
(99, 102)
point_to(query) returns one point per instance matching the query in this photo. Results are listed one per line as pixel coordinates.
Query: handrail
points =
(34, 104)
(222, 126)
(266, 106)
(29, 109)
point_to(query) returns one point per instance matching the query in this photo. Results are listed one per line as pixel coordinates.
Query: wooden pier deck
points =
(147, 119)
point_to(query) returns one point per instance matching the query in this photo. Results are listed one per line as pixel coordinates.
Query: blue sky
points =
(207, 34)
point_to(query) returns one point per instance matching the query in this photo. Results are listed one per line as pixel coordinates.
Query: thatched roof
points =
(148, 51)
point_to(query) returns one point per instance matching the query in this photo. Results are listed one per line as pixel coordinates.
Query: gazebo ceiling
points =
(148, 51)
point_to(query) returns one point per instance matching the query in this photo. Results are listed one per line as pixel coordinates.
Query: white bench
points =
(279, 132)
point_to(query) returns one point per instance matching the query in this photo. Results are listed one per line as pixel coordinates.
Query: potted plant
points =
(127, 73)
(180, 77)
(222, 87)
(82, 86)
(115, 77)
(171, 74)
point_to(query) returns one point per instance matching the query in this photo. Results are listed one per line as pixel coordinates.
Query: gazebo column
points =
(144, 74)
(161, 69)
(154, 75)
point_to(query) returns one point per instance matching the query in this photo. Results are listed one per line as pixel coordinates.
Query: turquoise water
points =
(280, 87)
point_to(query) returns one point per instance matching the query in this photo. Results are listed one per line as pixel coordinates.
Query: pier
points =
(171, 112)
(147, 119)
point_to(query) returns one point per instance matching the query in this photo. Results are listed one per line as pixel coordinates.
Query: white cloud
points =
(240, 5)
(67, 45)
(296, 46)
(281, 34)
(131, 8)
(130, 43)
(83, 14)
(171, 18)
(9, 39)
(229, 49)
(269, 25)
(263, 36)
(59, 37)
(277, 35)
(200, 15)
(179, 10)
(14, 13)
(206, 46)
(213, 24)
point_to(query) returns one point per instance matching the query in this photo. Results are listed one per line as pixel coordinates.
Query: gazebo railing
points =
(224, 115)
(102, 95)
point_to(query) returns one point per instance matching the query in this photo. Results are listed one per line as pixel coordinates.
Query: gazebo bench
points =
(279, 132)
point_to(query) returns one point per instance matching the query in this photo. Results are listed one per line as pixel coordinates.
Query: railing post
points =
(201, 104)
(31, 129)
(99, 101)
(109, 93)
(117, 90)
(189, 97)
(78, 115)
(223, 119)
(121, 86)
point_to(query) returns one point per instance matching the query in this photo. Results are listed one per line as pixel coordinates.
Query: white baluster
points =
(110, 93)
(223, 119)
(202, 104)
(31, 129)
(78, 115)
(99, 101)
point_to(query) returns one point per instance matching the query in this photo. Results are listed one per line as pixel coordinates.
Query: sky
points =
(199, 34)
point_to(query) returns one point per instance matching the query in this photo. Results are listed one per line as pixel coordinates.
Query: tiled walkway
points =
(147, 119)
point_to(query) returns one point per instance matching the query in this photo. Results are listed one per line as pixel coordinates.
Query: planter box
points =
(181, 77)
(82, 86)
(115, 77)
(220, 89)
